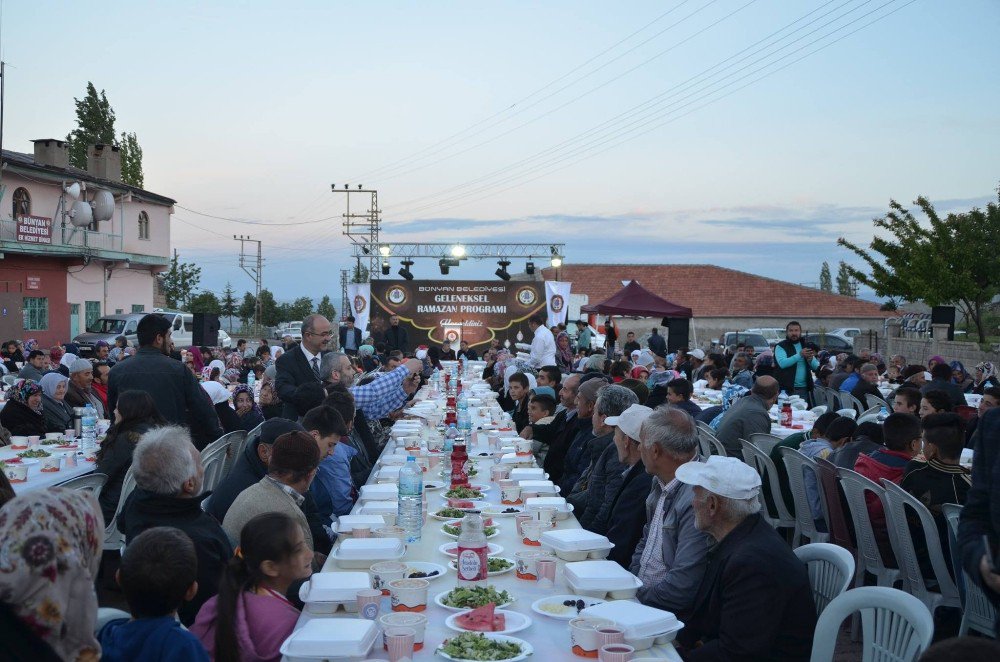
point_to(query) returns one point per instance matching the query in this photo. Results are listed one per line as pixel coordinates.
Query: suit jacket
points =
(981, 514)
(628, 513)
(293, 370)
(396, 338)
(343, 339)
(555, 459)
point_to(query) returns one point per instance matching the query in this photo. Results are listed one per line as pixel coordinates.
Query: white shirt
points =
(543, 348)
(310, 356)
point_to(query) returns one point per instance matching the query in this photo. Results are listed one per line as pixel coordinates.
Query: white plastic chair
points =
(875, 402)
(897, 502)
(755, 457)
(869, 557)
(819, 410)
(805, 526)
(709, 444)
(831, 570)
(236, 441)
(849, 400)
(107, 614)
(896, 626)
(977, 611)
(113, 539)
(9, 379)
(764, 441)
(213, 459)
(92, 483)
(850, 413)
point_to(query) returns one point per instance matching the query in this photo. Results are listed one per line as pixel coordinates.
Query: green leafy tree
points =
(825, 280)
(247, 309)
(326, 309)
(205, 302)
(229, 307)
(844, 284)
(300, 308)
(889, 306)
(95, 125)
(131, 154)
(360, 273)
(945, 261)
(179, 282)
(269, 313)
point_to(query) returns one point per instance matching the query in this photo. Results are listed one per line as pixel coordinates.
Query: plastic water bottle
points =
(409, 512)
(251, 379)
(88, 427)
(472, 564)
(449, 438)
(883, 414)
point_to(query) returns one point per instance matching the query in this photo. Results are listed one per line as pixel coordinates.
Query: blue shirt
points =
(150, 640)
(376, 399)
(332, 488)
(848, 384)
(785, 361)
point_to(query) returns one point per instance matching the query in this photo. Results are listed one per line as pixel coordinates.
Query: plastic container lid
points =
(379, 492)
(379, 508)
(636, 619)
(599, 575)
(376, 549)
(523, 473)
(334, 587)
(347, 522)
(534, 503)
(324, 637)
(569, 540)
(540, 486)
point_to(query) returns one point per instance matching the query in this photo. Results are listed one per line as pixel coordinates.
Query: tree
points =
(300, 308)
(825, 281)
(269, 314)
(247, 309)
(326, 309)
(179, 282)
(205, 302)
(889, 306)
(943, 262)
(360, 274)
(228, 305)
(95, 125)
(844, 284)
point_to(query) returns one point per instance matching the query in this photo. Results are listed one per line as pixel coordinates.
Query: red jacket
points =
(102, 392)
(888, 464)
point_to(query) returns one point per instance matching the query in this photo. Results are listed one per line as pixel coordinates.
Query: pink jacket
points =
(262, 625)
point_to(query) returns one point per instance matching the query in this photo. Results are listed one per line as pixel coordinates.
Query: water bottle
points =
(883, 414)
(251, 379)
(472, 564)
(409, 512)
(88, 427)
(449, 438)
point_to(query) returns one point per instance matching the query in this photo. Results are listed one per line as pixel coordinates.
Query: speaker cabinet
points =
(205, 330)
(944, 315)
(678, 329)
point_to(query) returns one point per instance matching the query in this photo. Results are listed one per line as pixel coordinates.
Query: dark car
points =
(830, 342)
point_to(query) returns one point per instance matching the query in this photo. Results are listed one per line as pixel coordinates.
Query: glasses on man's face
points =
(325, 334)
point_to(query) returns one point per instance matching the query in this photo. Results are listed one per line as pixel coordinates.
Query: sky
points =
(750, 134)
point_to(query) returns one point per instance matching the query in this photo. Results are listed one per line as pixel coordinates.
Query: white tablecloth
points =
(38, 480)
(549, 637)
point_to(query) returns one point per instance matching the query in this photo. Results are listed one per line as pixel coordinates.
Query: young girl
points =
(250, 617)
(135, 413)
(247, 410)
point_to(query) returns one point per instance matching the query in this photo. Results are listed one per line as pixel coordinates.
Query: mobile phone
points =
(989, 555)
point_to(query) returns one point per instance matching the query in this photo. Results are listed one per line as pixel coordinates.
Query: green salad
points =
(463, 493)
(455, 530)
(470, 597)
(38, 453)
(497, 564)
(453, 513)
(52, 442)
(475, 646)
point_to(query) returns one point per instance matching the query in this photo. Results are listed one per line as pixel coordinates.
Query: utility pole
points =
(363, 229)
(345, 305)
(256, 272)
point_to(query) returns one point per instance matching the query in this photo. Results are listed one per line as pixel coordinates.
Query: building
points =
(57, 279)
(723, 299)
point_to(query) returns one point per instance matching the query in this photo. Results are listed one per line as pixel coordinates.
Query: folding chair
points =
(765, 442)
(779, 518)
(92, 483)
(870, 559)
(875, 402)
(213, 459)
(795, 465)
(831, 570)
(977, 611)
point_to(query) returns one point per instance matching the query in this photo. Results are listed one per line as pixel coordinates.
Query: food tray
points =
(347, 522)
(599, 575)
(339, 587)
(575, 540)
(352, 637)
(378, 492)
(379, 508)
(625, 589)
(356, 553)
(636, 619)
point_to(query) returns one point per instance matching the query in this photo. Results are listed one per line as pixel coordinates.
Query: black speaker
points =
(678, 329)
(205, 330)
(944, 315)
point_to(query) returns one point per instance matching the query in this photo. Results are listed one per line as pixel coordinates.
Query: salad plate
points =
(556, 606)
(478, 646)
(514, 622)
(502, 564)
(464, 598)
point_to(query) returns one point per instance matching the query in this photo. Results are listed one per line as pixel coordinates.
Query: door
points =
(74, 320)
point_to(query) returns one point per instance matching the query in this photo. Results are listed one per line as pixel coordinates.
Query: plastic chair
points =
(236, 441)
(113, 539)
(897, 502)
(764, 441)
(848, 412)
(819, 410)
(213, 459)
(832, 399)
(977, 611)
(795, 464)
(831, 570)
(92, 483)
(849, 400)
(897, 627)
(869, 557)
(755, 457)
(709, 444)
(9, 379)
(107, 614)
(836, 518)
(875, 402)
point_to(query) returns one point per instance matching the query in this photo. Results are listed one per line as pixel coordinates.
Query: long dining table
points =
(549, 637)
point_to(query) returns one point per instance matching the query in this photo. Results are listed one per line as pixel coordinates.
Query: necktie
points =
(315, 365)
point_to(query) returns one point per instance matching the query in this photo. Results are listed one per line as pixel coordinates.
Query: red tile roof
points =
(711, 291)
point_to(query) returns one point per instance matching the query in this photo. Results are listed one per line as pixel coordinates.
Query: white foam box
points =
(388, 475)
(527, 474)
(347, 522)
(339, 587)
(576, 544)
(379, 508)
(350, 638)
(601, 578)
(643, 625)
(379, 492)
(540, 486)
(363, 552)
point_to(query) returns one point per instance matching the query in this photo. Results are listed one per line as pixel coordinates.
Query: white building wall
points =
(126, 288)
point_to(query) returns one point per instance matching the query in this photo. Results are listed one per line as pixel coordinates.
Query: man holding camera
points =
(795, 363)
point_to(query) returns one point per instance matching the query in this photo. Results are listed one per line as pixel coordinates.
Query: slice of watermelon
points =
(460, 503)
(480, 619)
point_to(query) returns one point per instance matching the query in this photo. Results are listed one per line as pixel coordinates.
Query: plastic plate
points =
(570, 613)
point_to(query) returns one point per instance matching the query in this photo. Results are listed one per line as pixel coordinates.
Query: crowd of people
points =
(215, 575)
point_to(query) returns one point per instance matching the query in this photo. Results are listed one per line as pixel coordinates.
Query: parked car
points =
(846, 331)
(732, 338)
(773, 335)
(830, 342)
(109, 327)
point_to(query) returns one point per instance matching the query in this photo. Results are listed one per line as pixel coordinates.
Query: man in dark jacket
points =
(590, 495)
(657, 344)
(755, 601)
(794, 363)
(566, 425)
(981, 514)
(163, 496)
(941, 381)
(576, 461)
(748, 415)
(178, 397)
(395, 336)
(349, 336)
(626, 515)
(301, 364)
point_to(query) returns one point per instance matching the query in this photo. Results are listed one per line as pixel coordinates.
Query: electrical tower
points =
(363, 228)
(345, 305)
(255, 270)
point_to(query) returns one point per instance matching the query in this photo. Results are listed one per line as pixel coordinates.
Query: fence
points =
(918, 347)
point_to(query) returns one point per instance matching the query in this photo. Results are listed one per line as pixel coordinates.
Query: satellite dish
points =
(103, 205)
(72, 190)
(81, 215)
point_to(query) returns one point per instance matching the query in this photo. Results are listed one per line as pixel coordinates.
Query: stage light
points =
(529, 268)
(446, 263)
(405, 271)
(443, 263)
(384, 251)
(458, 250)
(385, 267)
(556, 262)
(502, 271)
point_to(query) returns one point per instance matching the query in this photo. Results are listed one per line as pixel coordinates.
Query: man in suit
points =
(395, 336)
(626, 507)
(350, 338)
(301, 364)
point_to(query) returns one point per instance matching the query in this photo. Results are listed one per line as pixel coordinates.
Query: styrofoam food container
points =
(379, 508)
(523, 473)
(334, 588)
(643, 625)
(362, 552)
(574, 540)
(388, 474)
(379, 492)
(563, 509)
(347, 522)
(606, 576)
(625, 591)
(351, 638)
(540, 486)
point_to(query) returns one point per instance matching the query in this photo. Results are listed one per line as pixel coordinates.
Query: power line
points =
(253, 222)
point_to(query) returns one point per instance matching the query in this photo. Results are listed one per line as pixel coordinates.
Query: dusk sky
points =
(744, 133)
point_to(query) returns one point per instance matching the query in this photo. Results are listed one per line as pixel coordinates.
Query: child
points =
(157, 575)
(251, 617)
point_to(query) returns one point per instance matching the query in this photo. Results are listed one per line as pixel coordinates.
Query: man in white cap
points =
(671, 557)
(79, 393)
(626, 499)
(755, 601)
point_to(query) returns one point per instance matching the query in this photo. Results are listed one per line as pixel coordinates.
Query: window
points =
(143, 225)
(36, 314)
(22, 203)
(92, 313)
(138, 308)
(119, 311)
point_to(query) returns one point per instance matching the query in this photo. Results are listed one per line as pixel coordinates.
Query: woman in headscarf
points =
(58, 414)
(247, 410)
(231, 375)
(117, 352)
(270, 402)
(960, 377)
(764, 364)
(11, 356)
(234, 360)
(986, 377)
(933, 361)
(197, 360)
(22, 415)
(276, 352)
(369, 361)
(213, 371)
(30, 345)
(219, 395)
(640, 373)
(55, 356)
(564, 353)
(50, 546)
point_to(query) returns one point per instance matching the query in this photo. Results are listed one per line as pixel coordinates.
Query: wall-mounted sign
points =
(34, 230)
(34, 282)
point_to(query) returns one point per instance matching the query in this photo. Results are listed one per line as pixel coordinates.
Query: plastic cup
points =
(546, 570)
(16, 473)
(361, 532)
(70, 459)
(610, 634)
(369, 603)
(520, 519)
(409, 594)
(390, 532)
(523, 447)
(399, 642)
(70, 434)
(53, 435)
(616, 653)
(390, 519)
(510, 495)
(532, 530)
(546, 515)
(51, 464)
(34, 441)
(583, 635)
(385, 572)
(403, 619)
(19, 443)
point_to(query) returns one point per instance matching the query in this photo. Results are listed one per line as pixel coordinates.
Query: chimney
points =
(51, 152)
(104, 162)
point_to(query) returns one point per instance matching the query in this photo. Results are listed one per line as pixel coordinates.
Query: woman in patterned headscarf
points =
(22, 415)
(564, 352)
(50, 550)
(986, 377)
(249, 413)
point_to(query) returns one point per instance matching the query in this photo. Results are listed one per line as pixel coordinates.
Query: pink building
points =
(56, 278)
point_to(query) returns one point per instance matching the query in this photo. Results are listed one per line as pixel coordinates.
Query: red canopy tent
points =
(636, 300)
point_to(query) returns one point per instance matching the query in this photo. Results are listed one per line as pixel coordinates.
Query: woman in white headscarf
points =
(220, 395)
(213, 371)
(58, 415)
